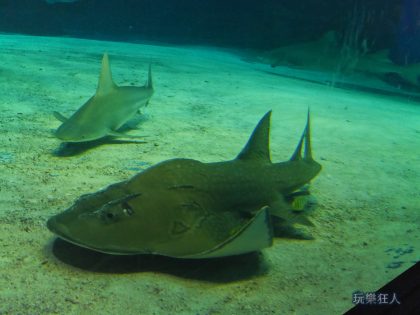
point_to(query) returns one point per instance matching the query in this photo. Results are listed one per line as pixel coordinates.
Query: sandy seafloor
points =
(205, 106)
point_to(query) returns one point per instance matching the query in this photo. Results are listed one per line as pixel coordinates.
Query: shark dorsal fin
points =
(305, 138)
(105, 84)
(258, 146)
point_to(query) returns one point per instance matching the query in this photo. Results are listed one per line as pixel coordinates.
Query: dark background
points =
(257, 24)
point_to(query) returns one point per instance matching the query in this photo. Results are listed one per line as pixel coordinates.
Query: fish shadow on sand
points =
(76, 148)
(217, 270)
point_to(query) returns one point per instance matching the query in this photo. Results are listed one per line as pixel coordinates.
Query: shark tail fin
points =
(106, 84)
(258, 146)
(411, 73)
(305, 138)
(60, 117)
(149, 83)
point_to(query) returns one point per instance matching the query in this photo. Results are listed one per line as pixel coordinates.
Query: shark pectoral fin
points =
(284, 211)
(122, 135)
(254, 235)
(59, 117)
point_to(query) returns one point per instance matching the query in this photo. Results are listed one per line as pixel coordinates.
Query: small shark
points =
(105, 112)
(184, 208)
(326, 55)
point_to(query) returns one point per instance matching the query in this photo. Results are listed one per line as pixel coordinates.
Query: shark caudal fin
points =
(105, 84)
(306, 137)
(258, 145)
(60, 117)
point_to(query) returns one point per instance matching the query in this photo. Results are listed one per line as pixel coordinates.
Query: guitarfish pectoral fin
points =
(254, 235)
